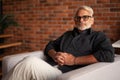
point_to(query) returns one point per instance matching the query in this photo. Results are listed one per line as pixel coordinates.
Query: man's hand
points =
(64, 58)
(69, 59)
(59, 58)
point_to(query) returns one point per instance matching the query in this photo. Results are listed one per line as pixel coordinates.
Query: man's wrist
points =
(75, 61)
(52, 53)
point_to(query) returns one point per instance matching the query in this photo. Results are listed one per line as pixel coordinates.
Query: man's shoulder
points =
(68, 32)
(99, 34)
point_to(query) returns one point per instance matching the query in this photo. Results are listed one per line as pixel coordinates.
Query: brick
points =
(103, 1)
(89, 2)
(45, 20)
(115, 1)
(115, 9)
(109, 14)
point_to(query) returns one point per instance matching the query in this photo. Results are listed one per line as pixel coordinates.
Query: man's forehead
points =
(83, 12)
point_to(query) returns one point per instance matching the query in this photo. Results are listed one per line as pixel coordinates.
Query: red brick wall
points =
(44, 20)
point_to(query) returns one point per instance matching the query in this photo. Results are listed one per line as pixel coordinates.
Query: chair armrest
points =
(97, 71)
(8, 62)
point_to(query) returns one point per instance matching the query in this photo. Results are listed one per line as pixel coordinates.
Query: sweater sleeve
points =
(103, 50)
(53, 45)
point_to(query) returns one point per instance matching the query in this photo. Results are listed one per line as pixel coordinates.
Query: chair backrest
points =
(10, 61)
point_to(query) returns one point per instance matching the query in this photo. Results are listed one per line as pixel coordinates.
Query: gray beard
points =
(83, 28)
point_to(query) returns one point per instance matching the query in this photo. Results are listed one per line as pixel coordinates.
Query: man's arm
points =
(57, 56)
(81, 60)
(52, 54)
(63, 58)
(89, 59)
(102, 48)
(52, 47)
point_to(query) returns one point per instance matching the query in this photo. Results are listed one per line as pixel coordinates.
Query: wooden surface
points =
(6, 45)
(5, 35)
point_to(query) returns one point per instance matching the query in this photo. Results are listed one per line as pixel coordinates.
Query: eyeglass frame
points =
(85, 18)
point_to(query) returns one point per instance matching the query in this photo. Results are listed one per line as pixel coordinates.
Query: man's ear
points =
(92, 20)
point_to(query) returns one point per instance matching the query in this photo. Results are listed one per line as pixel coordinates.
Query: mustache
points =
(83, 25)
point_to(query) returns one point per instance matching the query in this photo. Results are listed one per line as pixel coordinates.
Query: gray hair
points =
(87, 8)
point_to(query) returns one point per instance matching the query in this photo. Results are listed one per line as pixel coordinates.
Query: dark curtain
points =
(0, 7)
(1, 40)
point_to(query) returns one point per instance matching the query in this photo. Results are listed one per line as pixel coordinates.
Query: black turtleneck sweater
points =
(81, 43)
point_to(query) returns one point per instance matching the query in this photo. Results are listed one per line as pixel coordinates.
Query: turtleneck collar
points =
(76, 31)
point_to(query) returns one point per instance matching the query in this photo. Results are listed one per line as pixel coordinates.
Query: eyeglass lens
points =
(83, 17)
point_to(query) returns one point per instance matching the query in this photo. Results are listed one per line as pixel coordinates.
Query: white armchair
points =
(97, 71)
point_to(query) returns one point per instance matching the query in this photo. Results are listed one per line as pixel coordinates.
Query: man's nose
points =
(81, 20)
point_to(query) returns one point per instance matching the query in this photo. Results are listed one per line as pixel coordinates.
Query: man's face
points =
(84, 20)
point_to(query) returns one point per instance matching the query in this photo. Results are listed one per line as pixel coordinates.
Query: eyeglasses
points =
(85, 18)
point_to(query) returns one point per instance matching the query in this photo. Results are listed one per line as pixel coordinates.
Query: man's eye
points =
(85, 16)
